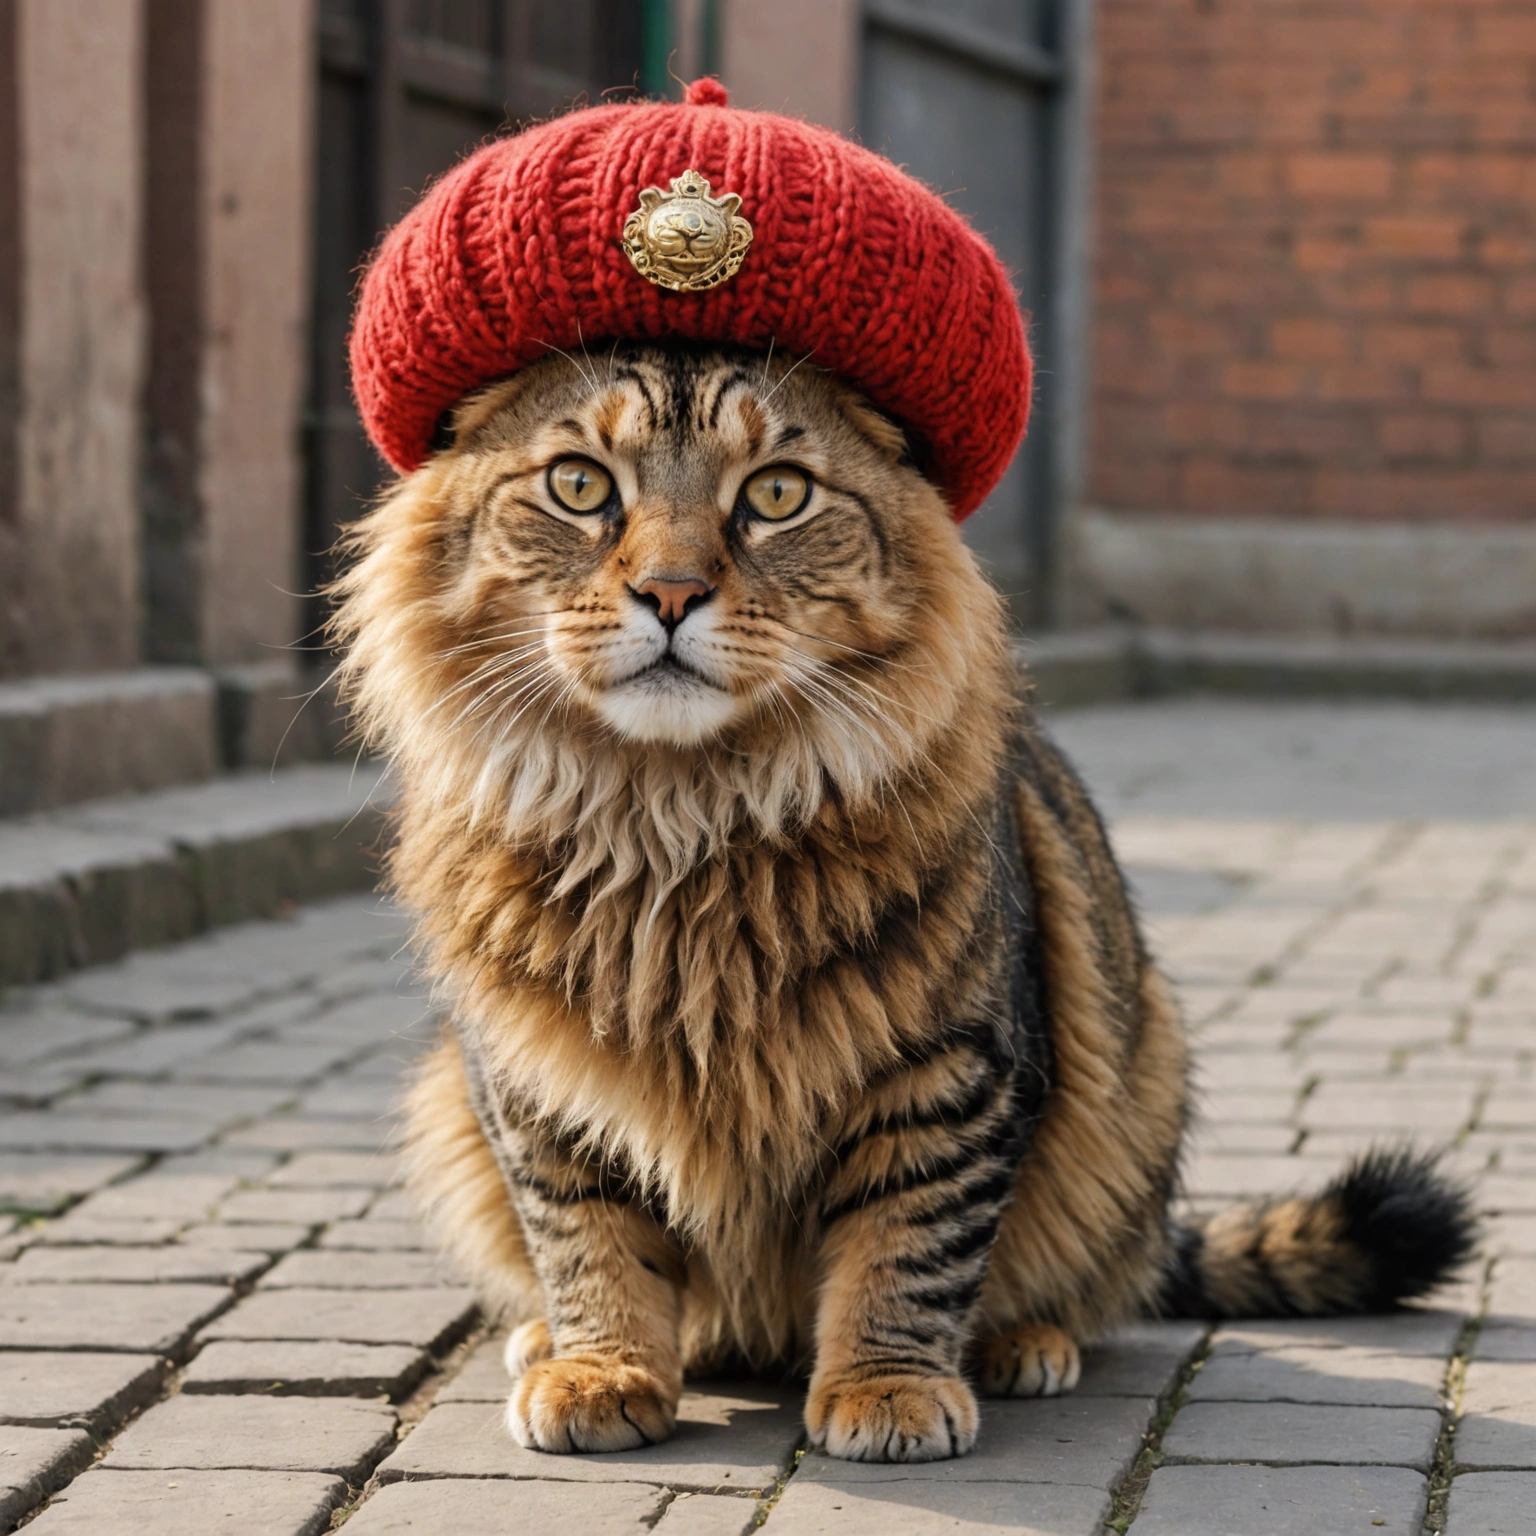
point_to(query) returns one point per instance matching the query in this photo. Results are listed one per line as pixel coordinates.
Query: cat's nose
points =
(673, 597)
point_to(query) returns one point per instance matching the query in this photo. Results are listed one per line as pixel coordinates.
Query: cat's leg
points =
(602, 1371)
(1027, 1360)
(909, 1222)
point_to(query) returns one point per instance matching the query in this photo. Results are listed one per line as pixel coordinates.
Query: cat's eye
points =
(579, 485)
(777, 492)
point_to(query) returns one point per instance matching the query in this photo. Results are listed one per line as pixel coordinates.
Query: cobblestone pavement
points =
(216, 1313)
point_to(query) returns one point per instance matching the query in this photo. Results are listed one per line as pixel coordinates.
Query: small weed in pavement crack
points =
(1133, 1486)
(765, 1508)
(1443, 1468)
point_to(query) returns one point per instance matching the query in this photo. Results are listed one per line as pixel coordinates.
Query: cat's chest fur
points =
(707, 1027)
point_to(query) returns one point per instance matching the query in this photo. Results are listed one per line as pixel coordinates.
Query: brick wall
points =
(1316, 283)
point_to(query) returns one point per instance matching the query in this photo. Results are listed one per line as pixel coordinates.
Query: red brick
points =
(1309, 340)
(1347, 176)
(1511, 348)
(1433, 238)
(1211, 484)
(1324, 254)
(1508, 439)
(1420, 435)
(1500, 388)
(1388, 343)
(1366, 382)
(1503, 33)
(1508, 251)
(1264, 381)
(1206, 424)
(1451, 293)
(1520, 298)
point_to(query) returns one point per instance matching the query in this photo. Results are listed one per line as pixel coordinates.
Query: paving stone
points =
(495, 1507)
(1089, 1441)
(321, 1434)
(1283, 1501)
(428, 1318)
(1514, 1289)
(905, 1507)
(348, 1097)
(156, 1319)
(728, 1437)
(31, 1086)
(352, 1269)
(394, 1205)
(1338, 1375)
(377, 1235)
(1498, 1422)
(192, 1503)
(1142, 1360)
(1506, 1341)
(52, 1130)
(326, 1170)
(1507, 1196)
(225, 1101)
(123, 1265)
(80, 1228)
(291, 1133)
(46, 1181)
(154, 1052)
(292, 1368)
(708, 1514)
(33, 1462)
(28, 1036)
(266, 1061)
(482, 1378)
(1291, 1433)
(74, 1391)
(1240, 1177)
(309, 1206)
(1410, 1332)
(165, 1193)
(1491, 1504)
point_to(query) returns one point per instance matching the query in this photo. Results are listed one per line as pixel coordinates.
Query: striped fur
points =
(801, 1017)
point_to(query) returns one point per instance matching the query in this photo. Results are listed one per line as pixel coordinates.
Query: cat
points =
(800, 1017)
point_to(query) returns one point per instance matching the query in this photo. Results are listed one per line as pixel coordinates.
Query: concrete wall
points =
(71, 597)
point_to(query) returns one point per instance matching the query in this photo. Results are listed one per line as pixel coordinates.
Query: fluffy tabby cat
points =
(800, 1017)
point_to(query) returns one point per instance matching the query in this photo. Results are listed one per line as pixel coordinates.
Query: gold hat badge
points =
(685, 239)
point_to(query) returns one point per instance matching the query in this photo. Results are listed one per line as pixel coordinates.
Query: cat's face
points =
(678, 544)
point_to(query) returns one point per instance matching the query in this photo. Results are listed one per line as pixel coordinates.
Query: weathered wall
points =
(257, 146)
(795, 56)
(71, 601)
(1315, 294)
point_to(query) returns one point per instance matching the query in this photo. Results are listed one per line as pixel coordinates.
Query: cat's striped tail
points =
(1388, 1229)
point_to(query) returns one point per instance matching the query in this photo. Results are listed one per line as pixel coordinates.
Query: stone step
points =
(91, 883)
(65, 740)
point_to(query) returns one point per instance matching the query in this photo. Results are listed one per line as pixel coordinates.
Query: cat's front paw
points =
(1031, 1360)
(590, 1404)
(892, 1418)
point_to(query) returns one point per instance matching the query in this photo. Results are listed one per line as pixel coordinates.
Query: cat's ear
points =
(896, 442)
(460, 423)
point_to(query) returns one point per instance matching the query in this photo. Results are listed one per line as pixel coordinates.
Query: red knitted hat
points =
(520, 249)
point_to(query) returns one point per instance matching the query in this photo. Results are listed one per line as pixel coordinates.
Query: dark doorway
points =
(406, 88)
(974, 97)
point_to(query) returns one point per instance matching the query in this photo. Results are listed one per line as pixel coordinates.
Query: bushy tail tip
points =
(1389, 1229)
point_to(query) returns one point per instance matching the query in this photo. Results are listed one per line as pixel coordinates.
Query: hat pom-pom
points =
(707, 92)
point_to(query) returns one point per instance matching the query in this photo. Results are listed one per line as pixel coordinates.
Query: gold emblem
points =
(685, 239)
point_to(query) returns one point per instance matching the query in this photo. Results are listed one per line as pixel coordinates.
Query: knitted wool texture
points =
(516, 252)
